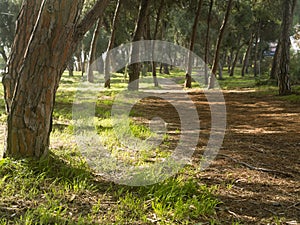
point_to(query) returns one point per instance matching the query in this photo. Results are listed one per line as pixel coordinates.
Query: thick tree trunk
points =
(188, 76)
(111, 44)
(24, 27)
(218, 46)
(92, 53)
(283, 76)
(206, 59)
(52, 42)
(134, 68)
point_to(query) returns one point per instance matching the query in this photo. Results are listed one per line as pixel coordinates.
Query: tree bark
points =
(111, 44)
(24, 26)
(188, 76)
(134, 68)
(283, 75)
(92, 53)
(211, 84)
(50, 44)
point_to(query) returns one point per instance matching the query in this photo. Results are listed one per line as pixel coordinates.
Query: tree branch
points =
(256, 168)
(90, 19)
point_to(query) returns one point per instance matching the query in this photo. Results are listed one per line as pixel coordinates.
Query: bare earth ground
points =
(258, 167)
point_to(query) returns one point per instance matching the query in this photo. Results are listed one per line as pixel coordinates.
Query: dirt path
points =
(258, 167)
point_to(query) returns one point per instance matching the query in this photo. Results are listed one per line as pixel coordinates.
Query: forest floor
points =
(257, 170)
(255, 176)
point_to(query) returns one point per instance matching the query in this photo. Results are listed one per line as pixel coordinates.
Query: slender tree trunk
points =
(207, 41)
(256, 57)
(134, 68)
(246, 57)
(188, 76)
(220, 71)
(93, 50)
(154, 64)
(218, 46)
(3, 54)
(53, 40)
(229, 60)
(275, 64)
(111, 44)
(283, 75)
(71, 67)
(236, 58)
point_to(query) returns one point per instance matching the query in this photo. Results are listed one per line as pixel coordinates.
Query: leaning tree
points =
(47, 35)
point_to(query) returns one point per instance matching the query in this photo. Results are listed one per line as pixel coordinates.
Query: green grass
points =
(63, 189)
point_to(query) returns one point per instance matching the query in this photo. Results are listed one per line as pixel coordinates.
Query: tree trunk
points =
(154, 64)
(206, 59)
(275, 63)
(111, 44)
(256, 65)
(24, 26)
(246, 57)
(52, 42)
(134, 68)
(283, 76)
(188, 76)
(92, 53)
(71, 67)
(218, 46)
(3, 54)
(236, 58)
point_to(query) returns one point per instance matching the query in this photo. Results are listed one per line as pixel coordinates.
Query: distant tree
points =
(218, 46)
(92, 52)
(207, 42)
(188, 76)
(8, 14)
(111, 43)
(134, 68)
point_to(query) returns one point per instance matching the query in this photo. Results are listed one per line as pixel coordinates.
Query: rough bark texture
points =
(111, 43)
(32, 83)
(283, 76)
(24, 27)
(188, 76)
(92, 53)
(134, 68)
(218, 46)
